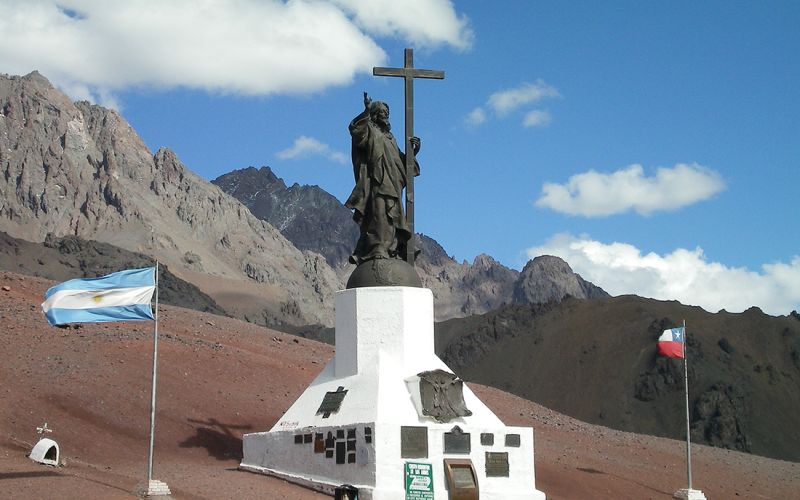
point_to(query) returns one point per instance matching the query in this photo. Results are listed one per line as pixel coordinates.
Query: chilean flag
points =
(670, 343)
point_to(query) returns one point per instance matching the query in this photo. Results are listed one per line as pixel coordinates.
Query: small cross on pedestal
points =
(409, 72)
(41, 431)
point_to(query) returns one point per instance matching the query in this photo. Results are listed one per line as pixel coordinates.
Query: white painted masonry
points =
(46, 451)
(384, 338)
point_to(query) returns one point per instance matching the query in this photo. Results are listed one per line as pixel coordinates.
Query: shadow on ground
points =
(222, 441)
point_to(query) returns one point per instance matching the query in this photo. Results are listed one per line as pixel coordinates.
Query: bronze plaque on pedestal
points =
(413, 442)
(457, 441)
(461, 479)
(331, 402)
(512, 440)
(442, 395)
(496, 464)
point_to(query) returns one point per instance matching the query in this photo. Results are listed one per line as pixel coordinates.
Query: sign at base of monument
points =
(419, 481)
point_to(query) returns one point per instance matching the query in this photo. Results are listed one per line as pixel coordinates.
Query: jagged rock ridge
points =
(548, 278)
(308, 216)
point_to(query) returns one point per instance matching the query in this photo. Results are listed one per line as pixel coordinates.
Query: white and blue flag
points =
(120, 296)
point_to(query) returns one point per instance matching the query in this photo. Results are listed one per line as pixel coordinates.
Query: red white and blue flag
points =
(670, 343)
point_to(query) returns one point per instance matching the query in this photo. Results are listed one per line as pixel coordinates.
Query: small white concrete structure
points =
(156, 488)
(371, 433)
(46, 452)
(688, 494)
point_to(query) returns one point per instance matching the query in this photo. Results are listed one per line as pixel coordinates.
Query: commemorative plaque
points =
(413, 442)
(368, 435)
(319, 443)
(512, 440)
(442, 395)
(341, 453)
(457, 441)
(496, 464)
(330, 444)
(332, 402)
(461, 479)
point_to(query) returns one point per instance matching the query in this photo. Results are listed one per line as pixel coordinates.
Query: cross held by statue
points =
(408, 72)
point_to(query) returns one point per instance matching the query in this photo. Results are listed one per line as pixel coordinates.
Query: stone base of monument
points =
(156, 488)
(687, 494)
(388, 417)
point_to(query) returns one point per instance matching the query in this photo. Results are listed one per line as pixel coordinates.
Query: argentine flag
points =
(120, 296)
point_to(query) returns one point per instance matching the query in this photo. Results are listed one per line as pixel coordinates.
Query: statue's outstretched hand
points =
(416, 143)
(367, 100)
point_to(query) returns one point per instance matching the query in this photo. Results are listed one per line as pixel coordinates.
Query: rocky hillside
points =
(79, 169)
(308, 216)
(547, 278)
(70, 257)
(315, 220)
(596, 360)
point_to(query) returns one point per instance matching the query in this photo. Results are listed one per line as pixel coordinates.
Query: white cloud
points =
(595, 194)
(423, 22)
(536, 118)
(476, 116)
(684, 275)
(505, 101)
(251, 47)
(305, 147)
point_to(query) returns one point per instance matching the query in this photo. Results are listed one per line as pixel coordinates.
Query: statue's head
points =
(379, 113)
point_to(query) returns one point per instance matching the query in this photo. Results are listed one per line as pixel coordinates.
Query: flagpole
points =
(153, 393)
(686, 390)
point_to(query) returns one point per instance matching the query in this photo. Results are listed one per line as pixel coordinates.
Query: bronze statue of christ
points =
(380, 176)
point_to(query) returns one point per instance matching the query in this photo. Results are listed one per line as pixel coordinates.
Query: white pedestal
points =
(156, 488)
(384, 338)
(687, 494)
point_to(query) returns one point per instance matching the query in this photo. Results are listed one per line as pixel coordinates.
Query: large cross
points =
(409, 72)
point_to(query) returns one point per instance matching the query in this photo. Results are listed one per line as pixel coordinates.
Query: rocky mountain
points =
(315, 220)
(547, 278)
(70, 257)
(596, 360)
(308, 216)
(80, 169)
(461, 288)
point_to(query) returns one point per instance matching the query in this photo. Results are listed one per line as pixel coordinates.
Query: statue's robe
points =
(379, 170)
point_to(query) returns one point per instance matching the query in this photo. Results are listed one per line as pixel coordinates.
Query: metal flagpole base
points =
(157, 488)
(687, 494)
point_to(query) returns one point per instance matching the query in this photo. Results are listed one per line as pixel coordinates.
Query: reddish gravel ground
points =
(220, 378)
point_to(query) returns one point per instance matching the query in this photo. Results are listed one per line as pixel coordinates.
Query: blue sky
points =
(653, 145)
